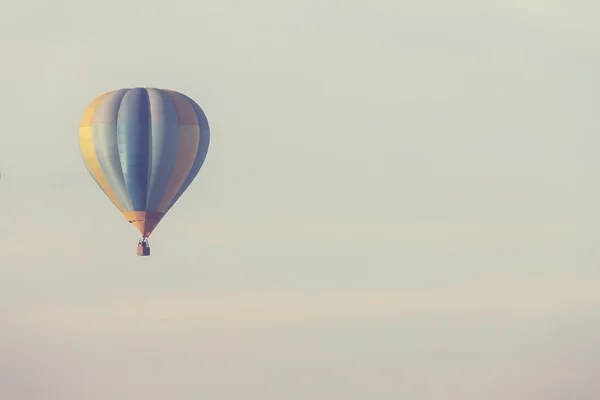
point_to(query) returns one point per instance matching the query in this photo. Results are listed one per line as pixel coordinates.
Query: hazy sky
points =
(400, 200)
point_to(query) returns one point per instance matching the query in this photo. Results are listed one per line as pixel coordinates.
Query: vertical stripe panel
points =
(107, 150)
(133, 136)
(202, 149)
(189, 138)
(164, 142)
(86, 143)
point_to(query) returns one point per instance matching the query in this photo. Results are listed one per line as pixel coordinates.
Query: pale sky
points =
(400, 201)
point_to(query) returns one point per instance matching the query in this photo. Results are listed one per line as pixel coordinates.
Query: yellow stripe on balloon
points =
(86, 142)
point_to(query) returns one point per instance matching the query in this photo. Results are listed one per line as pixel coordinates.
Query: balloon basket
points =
(143, 251)
(143, 248)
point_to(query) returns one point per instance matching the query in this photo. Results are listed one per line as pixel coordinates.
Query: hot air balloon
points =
(143, 147)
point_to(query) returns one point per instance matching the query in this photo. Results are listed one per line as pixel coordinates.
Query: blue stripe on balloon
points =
(106, 146)
(133, 136)
(202, 150)
(165, 142)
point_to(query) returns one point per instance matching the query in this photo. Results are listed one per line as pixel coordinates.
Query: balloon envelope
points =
(143, 147)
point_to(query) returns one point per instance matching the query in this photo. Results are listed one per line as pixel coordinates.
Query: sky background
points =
(400, 200)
